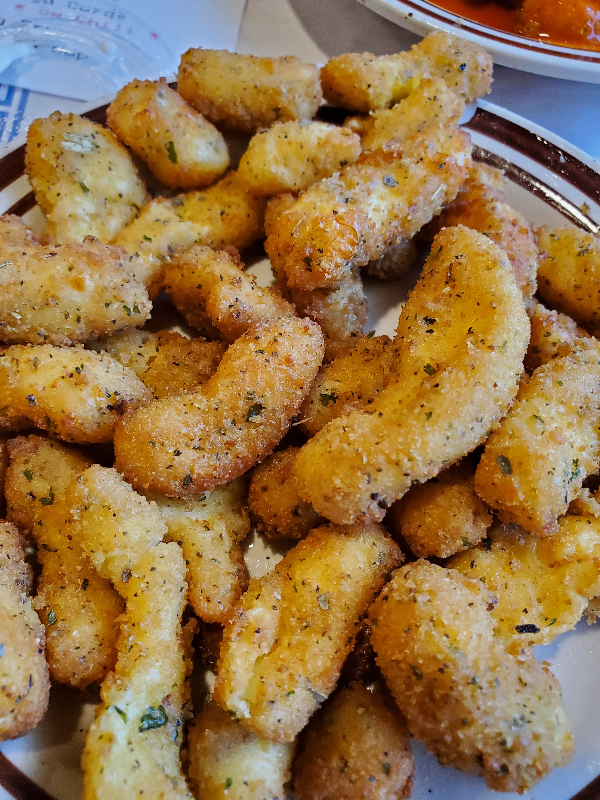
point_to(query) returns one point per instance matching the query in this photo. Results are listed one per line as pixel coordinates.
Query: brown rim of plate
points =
(485, 122)
(503, 37)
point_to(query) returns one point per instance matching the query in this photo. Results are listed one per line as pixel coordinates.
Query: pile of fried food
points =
(438, 484)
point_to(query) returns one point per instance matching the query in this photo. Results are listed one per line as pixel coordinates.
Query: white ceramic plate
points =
(548, 181)
(508, 49)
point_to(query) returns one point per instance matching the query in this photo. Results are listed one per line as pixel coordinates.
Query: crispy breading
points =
(245, 93)
(432, 102)
(350, 381)
(484, 209)
(209, 528)
(351, 218)
(24, 680)
(273, 499)
(355, 748)
(275, 207)
(364, 82)
(569, 273)
(65, 294)
(182, 445)
(132, 747)
(206, 284)
(443, 516)
(470, 700)
(543, 585)
(286, 642)
(552, 335)
(181, 148)
(76, 395)
(394, 262)
(84, 179)
(460, 339)
(290, 156)
(166, 362)
(229, 762)
(226, 214)
(76, 605)
(537, 460)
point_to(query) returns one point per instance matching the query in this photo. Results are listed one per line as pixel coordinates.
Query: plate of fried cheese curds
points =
(299, 440)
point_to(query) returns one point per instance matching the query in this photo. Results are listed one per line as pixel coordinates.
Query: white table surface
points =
(319, 29)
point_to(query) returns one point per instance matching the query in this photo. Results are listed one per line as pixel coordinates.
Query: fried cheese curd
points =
(287, 640)
(74, 394)
(465, 695)
(182, 149)
(535, 463)
(290, 156)
(229, 762)
(350, 381)
(569, 273)
(246, 93)
(76, 605)
(276, 507)
(166, 362)
(443, 516)
(83, 178)
(343, 222)
(395, 261)
(210, 285)
(132, 747)
(356, 747)
(209, 528)
(226, 214)
(552, 334)
(189, 443)
(24, 681)
(363, 82)
(64, 294)
(543, 584)
(484, 209)
(460, 341)
(432, 102)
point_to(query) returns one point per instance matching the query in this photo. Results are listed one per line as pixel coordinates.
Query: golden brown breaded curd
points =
(537, 460)
(443, 516)
(72, 393)
(246, 93)
(209, 528)
(166, 362)
(182, 149)
(76, 605)
(394, 262)
(290, 156)
(229, 762)
(543, 585)
(65, 294)
(356, 747)
(226, 214)
(132, 747)
(350, 381)
(273, 499)
(83, 178)
(364, 82)
(287, 639)
(460, 343)
(431, 102)
(210, 285)
(471, 701)
(341, 312)
(552, 334)
(24, 681)
(569, 273)
(350, 219)
(484, 209)
(182, 445)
